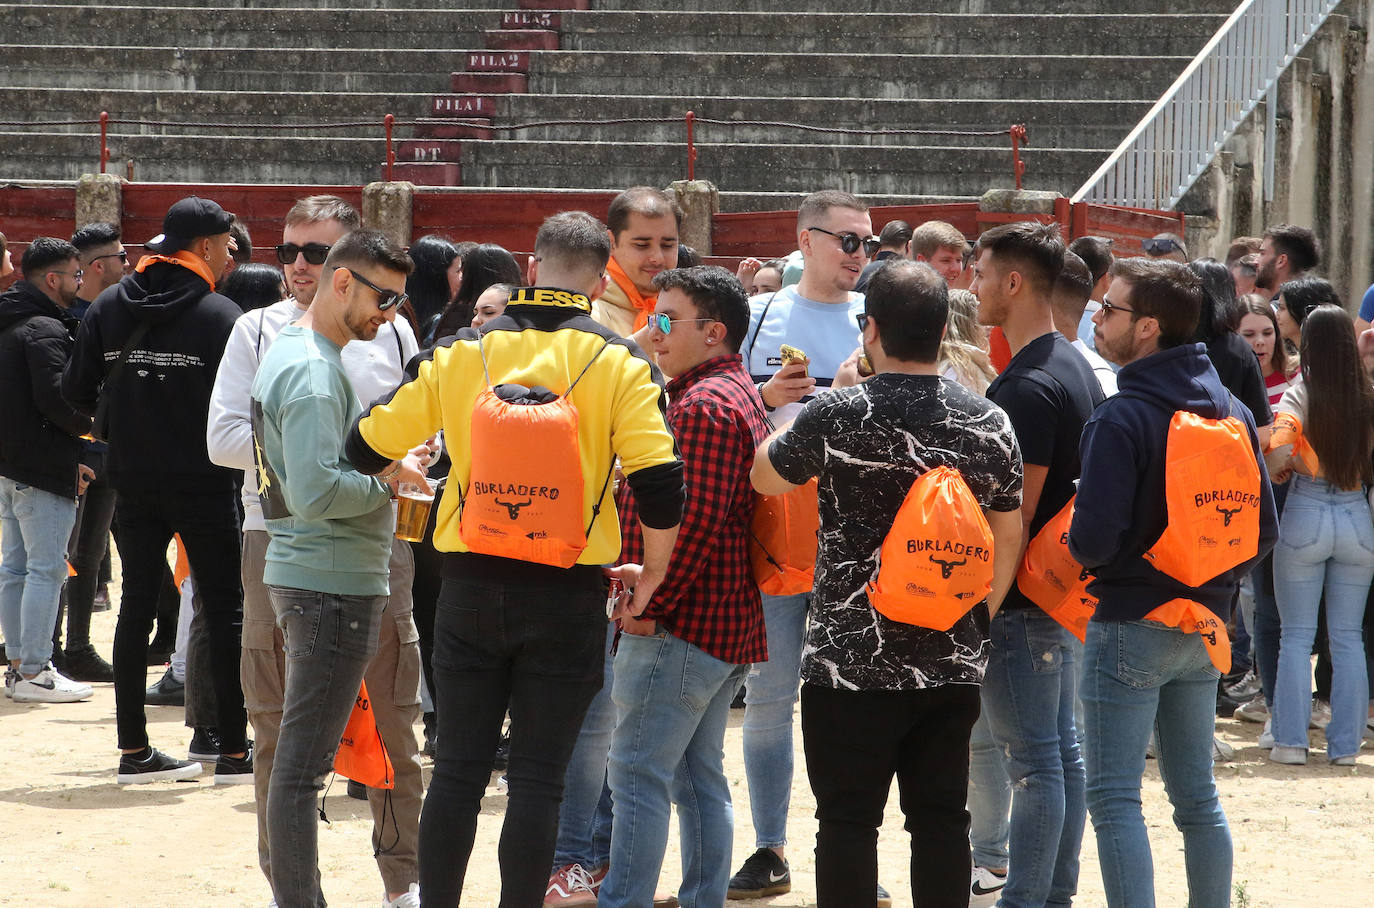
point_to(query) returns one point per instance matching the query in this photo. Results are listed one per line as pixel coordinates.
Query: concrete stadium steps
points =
(222, 26)
(858, 8)
(887, 33)
(1051, 124)
(275, 158)
(911, 170)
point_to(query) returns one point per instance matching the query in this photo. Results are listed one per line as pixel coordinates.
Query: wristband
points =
(390, 475)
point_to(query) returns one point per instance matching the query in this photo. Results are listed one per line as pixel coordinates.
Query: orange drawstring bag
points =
(1195, 618)
(1287, 431)
(782, 540)
(936, 562)
(1051, 578)
(524, 494)
(362, 756)
(1212, 498)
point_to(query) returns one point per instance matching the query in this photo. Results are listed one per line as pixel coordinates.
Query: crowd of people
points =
(658, 488)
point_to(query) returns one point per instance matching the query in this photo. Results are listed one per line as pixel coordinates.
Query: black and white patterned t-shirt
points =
(868, 444)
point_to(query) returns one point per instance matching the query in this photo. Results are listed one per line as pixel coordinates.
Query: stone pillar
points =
(700, 202)
(1020, 201)
(387, 207)
(99, 197)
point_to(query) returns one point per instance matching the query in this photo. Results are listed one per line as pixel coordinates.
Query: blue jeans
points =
(672, 702)
(34, 527)
(1139, 677)
(584, 817)
(1326, 540)
(1028, 695)
(989, 798)
(329, 641)
(770, 694)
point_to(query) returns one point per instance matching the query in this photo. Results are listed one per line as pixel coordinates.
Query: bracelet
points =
(390, 475)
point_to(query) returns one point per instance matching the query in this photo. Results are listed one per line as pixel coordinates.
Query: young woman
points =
(964, 351)
(485, 265)
(1260, 329)
(1326, 537)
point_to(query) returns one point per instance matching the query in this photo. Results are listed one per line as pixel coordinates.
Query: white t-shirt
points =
(1106, 376)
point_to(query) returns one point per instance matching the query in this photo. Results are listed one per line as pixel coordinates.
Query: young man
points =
(103, 261)
(896, 244)
(1140, 675)
(512, 633)
(330, 532)
(816, 315)
(941, 245)
(1287, 251)
(168, 322)
(882, 697)
(1096, 253)
(40, 470)
(643, 223)
(374, 368)
(1049, 391)
(1072, 290)
(681, 661)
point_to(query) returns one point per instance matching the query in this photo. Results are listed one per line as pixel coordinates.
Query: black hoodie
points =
(160, 400)
(39, 444)
(1120, 511)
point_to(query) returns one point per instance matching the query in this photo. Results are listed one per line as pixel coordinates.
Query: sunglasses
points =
(76, 274)
(862, 319)
(315, 253)
(1109, 308)
(386, 299)
(122, 256)
(664, 324)
(1160, 247)
(851, 242)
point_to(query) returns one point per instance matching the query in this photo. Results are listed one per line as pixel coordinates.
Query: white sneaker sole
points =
(179, 774)
(50, 696)
(233, 778)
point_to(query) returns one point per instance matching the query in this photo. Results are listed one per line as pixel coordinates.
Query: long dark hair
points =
(254, 286)
(1220, 310)
(1340, 411)
(427, 285)
(1305, 294)
(1256, 304)
(486, 265)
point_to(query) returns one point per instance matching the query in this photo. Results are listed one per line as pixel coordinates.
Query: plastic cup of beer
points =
(412, 509)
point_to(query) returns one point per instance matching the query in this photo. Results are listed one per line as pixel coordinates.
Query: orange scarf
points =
(182, 258)
(644, 305)
(1194, 618)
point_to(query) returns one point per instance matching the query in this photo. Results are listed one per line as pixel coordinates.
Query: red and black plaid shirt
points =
(709, 597)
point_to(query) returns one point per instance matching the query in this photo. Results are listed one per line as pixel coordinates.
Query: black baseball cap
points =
(187, 220)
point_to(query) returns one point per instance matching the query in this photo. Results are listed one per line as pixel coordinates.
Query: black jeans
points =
(855, 741)
(538, 650)
(89, 544)
(208, 525)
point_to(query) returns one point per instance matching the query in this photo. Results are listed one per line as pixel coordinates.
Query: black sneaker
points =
(501, 761)
(357, 790)
(235, 770)
(204, 746)
(154, 766)
(431, 748)
(168, 691)
(762, 875)
(85, 664)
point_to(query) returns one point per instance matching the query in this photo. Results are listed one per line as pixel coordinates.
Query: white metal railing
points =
(1171, 147)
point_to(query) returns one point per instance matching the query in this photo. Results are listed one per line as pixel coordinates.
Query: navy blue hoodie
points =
(1120, 510)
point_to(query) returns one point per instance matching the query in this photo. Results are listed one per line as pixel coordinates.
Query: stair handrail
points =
(1166, 152)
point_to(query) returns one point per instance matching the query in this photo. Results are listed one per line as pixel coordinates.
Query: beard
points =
(1268, 276)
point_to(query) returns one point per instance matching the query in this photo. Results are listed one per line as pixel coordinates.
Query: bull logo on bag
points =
(513, 507)
(947, 567)
(1227, 514)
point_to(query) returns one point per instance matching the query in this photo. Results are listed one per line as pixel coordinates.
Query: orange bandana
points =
(182, 258)
(1194, 618)
(644, 305)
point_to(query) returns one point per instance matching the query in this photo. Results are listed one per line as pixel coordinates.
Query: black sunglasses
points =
(862, 319)
(850, 241)
(1157, 246)
(315, 253)
(1109, 308)
(386, 299)
(122, 256)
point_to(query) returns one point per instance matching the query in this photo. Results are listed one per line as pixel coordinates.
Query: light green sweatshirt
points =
(330, 527)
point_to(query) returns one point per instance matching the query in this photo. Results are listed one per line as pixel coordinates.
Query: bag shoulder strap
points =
(763, 316)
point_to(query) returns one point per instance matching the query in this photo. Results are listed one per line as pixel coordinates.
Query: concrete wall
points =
(1323, 158)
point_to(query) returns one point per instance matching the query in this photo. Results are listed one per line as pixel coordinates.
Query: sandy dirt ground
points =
(1303, 835)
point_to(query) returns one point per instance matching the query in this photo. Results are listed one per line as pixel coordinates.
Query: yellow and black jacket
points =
(545, 338)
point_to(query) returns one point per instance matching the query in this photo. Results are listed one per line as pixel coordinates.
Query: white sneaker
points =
(408, 899)
(1321, 714)
(984, 886)
(1221, 751)
(50, 686)
(1254, 711)
(1266, 738)
(1246, 688)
